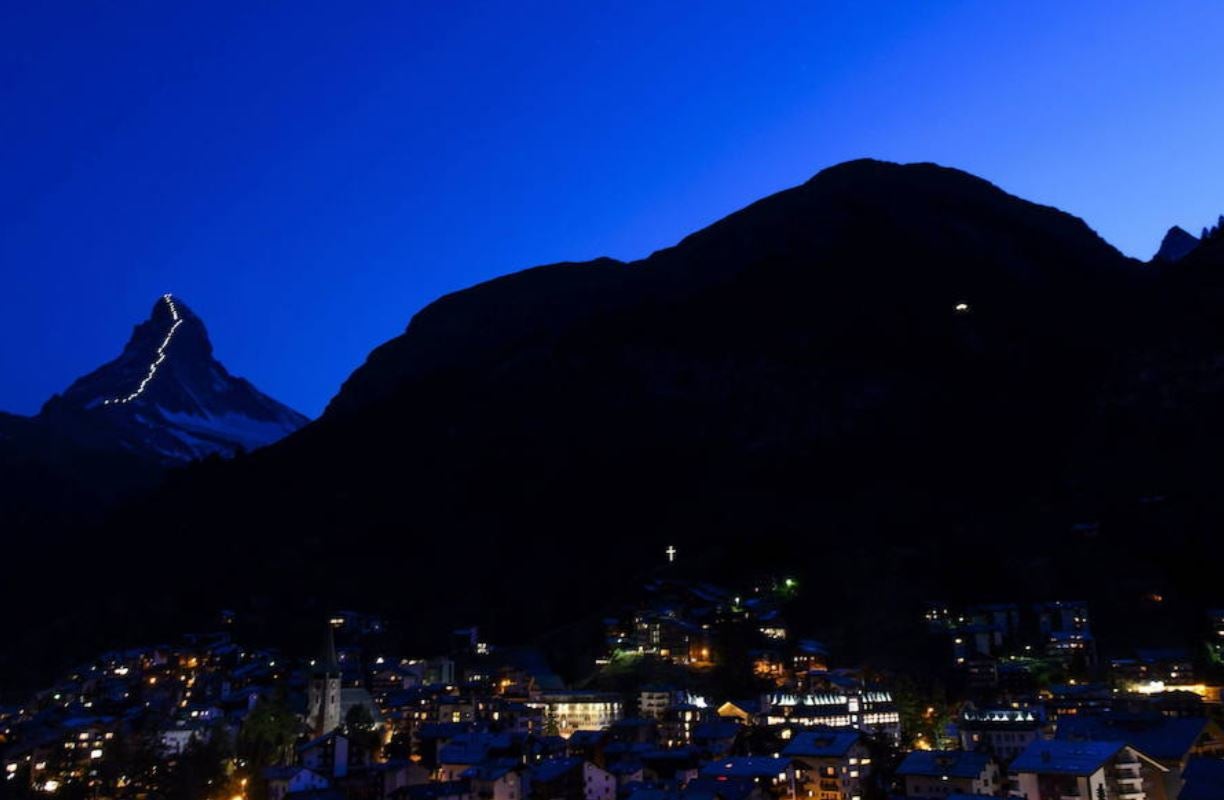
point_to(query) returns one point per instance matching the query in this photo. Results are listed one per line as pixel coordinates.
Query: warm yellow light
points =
(1157, 687)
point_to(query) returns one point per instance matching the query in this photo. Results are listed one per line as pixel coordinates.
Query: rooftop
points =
(1160, 737)
(745, 767)
(1064, 757)
(938, 763)
(821, 744)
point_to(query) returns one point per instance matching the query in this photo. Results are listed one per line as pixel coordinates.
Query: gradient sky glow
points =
(306, 175)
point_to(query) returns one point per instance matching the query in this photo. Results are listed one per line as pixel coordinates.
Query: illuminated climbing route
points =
(161, 356)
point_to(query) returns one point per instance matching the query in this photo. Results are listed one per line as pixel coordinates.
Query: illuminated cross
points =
(671, 553)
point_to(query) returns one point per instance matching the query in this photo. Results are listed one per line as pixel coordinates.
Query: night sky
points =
(308, 175)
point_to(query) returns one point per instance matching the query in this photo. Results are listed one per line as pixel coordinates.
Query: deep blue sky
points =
(308, 175)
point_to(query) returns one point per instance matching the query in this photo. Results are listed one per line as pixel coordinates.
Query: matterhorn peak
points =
(167, 393)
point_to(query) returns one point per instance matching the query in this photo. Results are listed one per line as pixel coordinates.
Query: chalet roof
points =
(555, 768)
(746, 706)
(745, 767)
(832, 743)
(1063, 757)
(627, 748)
(1163, 738)
(491, 770)
(938, 763)
(626, 767)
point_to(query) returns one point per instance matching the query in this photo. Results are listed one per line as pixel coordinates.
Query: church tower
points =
(323, 694)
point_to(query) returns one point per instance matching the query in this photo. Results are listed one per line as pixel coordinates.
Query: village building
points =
(1086, 771)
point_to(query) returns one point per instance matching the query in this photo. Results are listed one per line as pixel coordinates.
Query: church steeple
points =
(323, 693)
(328, 664)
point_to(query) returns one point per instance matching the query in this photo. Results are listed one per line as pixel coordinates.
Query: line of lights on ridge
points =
(161, 355)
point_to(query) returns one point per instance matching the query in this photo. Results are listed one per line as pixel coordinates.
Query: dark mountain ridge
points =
(841, 210)
(896, 381)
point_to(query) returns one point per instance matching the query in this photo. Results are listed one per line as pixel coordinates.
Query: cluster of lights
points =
(826, 699)
(1000, 715)
(1159, 687)
(161, 356)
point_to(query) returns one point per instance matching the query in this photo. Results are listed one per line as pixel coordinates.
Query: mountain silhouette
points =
(1176, 245)
(896, 382)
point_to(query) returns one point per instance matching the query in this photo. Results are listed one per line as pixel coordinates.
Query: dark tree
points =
(267, 734)
(362, 731)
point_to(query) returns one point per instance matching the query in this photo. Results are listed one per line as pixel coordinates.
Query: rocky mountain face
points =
(166, 396)
(897, 382)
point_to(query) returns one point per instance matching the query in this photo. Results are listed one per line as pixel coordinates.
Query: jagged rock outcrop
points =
(1176, 245)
